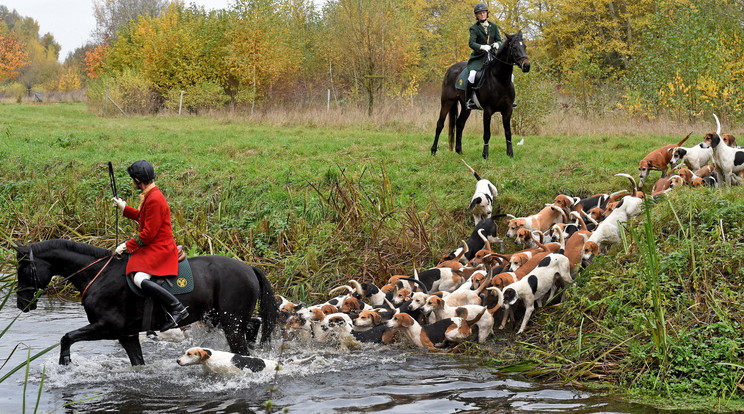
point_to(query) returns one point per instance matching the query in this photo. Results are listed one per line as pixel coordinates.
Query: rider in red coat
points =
(153, 250)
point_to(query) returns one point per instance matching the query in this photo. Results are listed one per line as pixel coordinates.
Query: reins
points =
(82, 296)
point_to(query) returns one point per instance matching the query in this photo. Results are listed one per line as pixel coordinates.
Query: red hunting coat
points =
(153, 248)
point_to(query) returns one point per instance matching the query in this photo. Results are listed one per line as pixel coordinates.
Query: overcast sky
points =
(71, 21)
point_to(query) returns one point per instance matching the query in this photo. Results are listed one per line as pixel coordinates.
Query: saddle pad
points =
(177, 285)
(462, 80)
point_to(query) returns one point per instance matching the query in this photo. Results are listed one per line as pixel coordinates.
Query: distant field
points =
(248, 185)
(316, 205)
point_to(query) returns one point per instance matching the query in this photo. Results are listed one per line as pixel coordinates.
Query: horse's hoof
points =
(433, 152)
(509, 150)
(65, 360)
(458, 150)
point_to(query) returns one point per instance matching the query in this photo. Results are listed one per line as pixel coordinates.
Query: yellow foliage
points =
(69, 80)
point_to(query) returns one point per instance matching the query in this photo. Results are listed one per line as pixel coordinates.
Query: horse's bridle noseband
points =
(34, 274)
(515, 62)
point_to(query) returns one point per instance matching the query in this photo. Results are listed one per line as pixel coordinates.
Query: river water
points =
(314, 379)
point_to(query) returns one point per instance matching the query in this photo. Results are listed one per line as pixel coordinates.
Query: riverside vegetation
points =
(659, 316)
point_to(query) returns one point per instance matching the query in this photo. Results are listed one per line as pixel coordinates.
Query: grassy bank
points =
(316, 205)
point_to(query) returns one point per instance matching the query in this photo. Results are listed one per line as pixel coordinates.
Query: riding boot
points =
(175, 310)
(470, 104)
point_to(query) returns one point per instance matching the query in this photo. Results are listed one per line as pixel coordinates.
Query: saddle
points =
(478, 80)
(179, 284)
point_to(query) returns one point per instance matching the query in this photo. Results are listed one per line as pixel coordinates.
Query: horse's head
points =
(518, 51)
(33, 274)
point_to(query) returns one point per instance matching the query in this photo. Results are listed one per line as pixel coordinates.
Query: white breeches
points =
(139, 277)
(471, 77)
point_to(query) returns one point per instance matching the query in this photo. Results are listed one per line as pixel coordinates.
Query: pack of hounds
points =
(475, 288)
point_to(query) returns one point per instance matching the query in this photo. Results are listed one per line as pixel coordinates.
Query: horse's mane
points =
(63, 244)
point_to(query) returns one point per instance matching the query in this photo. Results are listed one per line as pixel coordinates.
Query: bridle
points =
(515, 61)
(37, 281)
(34, 274)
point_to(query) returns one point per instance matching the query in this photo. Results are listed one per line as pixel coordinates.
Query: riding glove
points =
(485, 47)
(496, 45)
(118, 202)
(121, 248)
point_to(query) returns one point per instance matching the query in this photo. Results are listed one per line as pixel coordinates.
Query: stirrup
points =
(470, 104)
(174, 319)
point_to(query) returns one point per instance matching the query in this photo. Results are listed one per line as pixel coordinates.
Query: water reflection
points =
(372, 380)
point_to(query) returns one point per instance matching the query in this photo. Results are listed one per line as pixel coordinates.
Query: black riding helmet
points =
(480, 7)
(141, 171)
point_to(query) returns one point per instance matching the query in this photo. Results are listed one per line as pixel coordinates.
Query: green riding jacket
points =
(478, 37)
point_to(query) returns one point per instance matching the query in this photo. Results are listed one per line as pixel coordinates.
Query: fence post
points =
(180, 103)
(117, 106)
(328, 103)
(105, 102)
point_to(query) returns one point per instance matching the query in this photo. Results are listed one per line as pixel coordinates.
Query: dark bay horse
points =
(496, 94)
(225, 293)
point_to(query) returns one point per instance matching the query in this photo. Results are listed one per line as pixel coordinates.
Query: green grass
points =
(316, 206)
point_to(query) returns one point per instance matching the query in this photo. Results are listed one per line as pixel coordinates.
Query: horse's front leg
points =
(461, 120)
(506, 120)
(132, 345)
(92, 332)
(486, 131)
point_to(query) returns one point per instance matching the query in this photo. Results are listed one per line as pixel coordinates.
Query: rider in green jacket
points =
(484, 36)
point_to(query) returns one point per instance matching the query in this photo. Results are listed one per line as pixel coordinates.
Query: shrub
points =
(206, 95)
(13, 90)
(536, 98)
(131, 91)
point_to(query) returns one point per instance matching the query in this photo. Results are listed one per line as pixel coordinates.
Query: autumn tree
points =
(263, 47)
(13, 54)
(94, 60)
(41, 68)
(601, 31)
(689, 69)
(178, 48)
(378, 42)
(111, 15)
(444, 40)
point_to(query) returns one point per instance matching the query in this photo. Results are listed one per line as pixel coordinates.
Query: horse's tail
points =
(451, 125)
(268, 309)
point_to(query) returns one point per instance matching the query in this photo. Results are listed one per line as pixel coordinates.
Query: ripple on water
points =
(326, 379)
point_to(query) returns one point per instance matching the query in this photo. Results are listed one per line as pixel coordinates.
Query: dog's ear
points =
(461, 313)
(406, 320)
(376, 318)
(389, 336)
(204, 354)
(510, 296)
(474, 202)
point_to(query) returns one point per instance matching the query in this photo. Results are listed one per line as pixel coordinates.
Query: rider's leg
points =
(471, 76)
(174, 308)
(470, 104)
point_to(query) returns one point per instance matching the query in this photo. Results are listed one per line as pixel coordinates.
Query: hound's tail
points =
(634, 186)
(718, 125)
(475, 174)
(688, 135)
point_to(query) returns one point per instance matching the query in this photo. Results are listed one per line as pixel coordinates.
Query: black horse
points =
(496, 94)
(225, 293)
